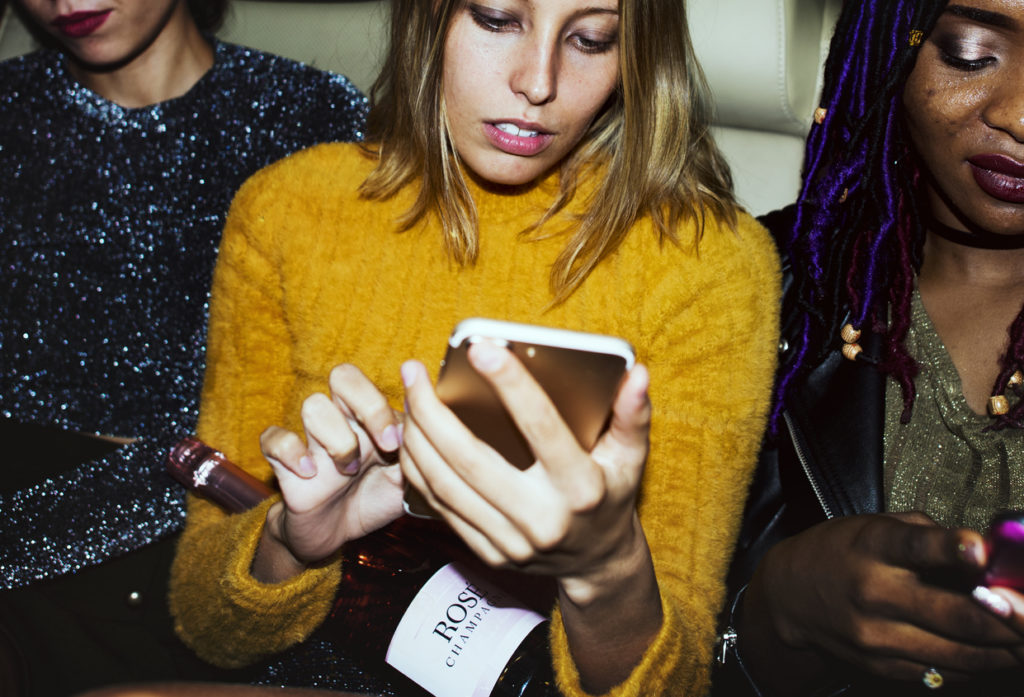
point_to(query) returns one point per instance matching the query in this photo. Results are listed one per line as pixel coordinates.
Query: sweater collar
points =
(526, 202)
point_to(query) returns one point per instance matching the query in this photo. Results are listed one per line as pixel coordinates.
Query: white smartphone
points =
(580, 372)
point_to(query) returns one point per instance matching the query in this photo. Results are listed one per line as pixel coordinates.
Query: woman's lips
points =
(999, 176)
(517, 138)
(79, 24)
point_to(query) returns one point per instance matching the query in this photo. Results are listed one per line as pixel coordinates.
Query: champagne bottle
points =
(209, 473)
(414, 599)
(419, 600)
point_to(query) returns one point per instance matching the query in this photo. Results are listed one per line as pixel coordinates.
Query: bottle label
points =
(458, 634)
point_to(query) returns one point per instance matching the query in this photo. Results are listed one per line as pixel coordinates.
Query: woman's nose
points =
(534, 74)
(1004, 109)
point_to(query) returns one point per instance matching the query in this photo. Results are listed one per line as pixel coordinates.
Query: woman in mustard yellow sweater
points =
(544, 162)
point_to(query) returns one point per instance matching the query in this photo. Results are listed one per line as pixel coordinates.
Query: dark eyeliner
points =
(487, 21)
(951, 56)
(593, 46)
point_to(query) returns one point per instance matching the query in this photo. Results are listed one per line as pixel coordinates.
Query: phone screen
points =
(1006, 551)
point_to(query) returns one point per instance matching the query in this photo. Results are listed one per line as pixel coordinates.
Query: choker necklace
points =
(977, 240)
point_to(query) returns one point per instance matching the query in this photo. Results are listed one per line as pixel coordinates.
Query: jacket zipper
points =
(797, 446)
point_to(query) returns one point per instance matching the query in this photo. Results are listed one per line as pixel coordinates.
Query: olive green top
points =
(944, 462)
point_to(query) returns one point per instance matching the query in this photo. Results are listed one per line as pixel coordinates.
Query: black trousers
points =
(103, 625)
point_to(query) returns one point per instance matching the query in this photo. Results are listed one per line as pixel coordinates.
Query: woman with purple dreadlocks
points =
(897, 432)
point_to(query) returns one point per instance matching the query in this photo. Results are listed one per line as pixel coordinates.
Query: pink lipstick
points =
(999, 176)
(79, 24)
(517, 137)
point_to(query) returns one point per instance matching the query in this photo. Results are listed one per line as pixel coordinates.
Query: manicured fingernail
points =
(970, 553)
(351, 468)
(307, 468)
(487, 357)
(995, 603)
(390, 439)
(409, 373)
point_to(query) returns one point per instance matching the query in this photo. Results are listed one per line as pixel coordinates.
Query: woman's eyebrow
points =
(994, 19)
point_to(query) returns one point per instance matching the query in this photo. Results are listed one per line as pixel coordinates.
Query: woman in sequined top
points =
(121, 145)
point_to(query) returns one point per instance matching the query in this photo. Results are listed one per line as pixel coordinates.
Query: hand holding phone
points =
(571, 514)
(580, 372)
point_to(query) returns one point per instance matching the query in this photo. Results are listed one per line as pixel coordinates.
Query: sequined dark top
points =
(109, 225)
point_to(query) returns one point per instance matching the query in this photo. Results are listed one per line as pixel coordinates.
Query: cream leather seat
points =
(761, 57)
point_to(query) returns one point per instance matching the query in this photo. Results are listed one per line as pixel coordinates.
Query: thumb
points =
(931, 548)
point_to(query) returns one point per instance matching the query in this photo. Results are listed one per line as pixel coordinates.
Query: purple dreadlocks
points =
(858, 233)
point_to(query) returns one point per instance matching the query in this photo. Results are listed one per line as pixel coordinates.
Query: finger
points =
(360, 399)
(286, 452)
(491, 549)
(923, 548)
(331, 439)
(908, 671)
(458, 502)
(904, 651)
(471, 535)
(1008, 605)
(551, 441)
(628, 437)
(951, 615)
(913, 517)
(452, 440)
(525, 498)
(1003, 603)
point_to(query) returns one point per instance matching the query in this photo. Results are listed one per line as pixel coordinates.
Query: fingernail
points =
(487, 357)
(970, 553)
(307, 468)
(389, 438)
(352, 467)
(409, 373)
(995, 603)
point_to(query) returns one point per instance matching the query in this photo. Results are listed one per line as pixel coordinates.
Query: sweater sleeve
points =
(711, 351)
(224, 614)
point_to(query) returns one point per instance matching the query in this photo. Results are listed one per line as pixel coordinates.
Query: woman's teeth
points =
(514, 130)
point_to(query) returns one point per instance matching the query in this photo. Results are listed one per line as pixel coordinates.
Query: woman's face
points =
(524, 79)
(105, 33)
(964, 104)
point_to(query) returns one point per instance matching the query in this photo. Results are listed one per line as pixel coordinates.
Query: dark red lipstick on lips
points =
(79, 24)
(999, 176)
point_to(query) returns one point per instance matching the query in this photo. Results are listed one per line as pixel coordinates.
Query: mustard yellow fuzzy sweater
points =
(310, 276)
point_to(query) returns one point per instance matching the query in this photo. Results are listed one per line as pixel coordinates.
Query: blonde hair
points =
(651, 143)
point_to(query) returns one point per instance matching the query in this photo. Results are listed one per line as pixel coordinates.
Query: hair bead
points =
(819, 115)
(850, 334)
(851, 351)
(1016, 379)
(998, 405)
(859, 256)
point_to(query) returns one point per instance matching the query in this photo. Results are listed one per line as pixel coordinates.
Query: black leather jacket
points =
(824, 462)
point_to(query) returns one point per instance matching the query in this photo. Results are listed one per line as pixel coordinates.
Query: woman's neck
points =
(954, 263)
(167, 68)
(972, 296)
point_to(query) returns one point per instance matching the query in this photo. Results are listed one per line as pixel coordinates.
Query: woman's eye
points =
(965, 64)
(490, 20)
(592, 44)
(966, 56)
